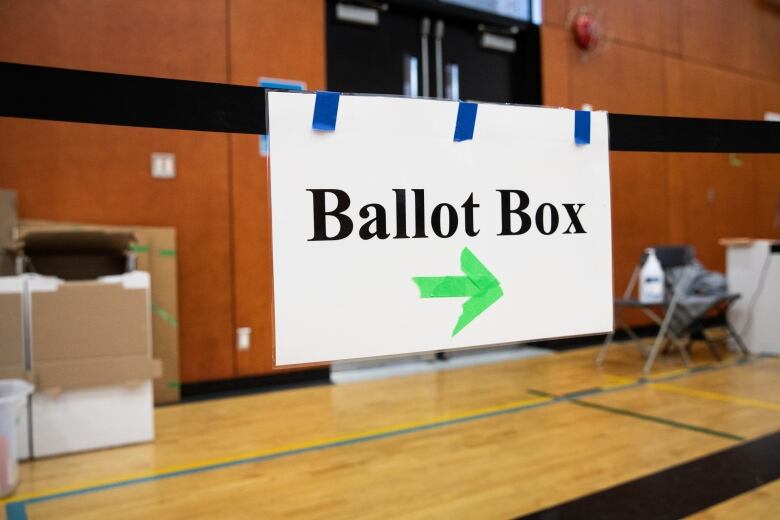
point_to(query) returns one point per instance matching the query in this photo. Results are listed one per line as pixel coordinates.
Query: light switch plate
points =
(163, 165)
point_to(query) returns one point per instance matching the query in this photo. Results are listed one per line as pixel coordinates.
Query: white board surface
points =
(356, 297)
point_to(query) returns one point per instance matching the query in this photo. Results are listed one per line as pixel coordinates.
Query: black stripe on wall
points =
(117, 99)
(34, 92)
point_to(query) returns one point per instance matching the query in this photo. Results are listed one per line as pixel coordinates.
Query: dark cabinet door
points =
(375, 59)
(430, 49)
(493, 66)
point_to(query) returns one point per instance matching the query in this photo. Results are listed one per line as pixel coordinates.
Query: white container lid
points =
(12, 389)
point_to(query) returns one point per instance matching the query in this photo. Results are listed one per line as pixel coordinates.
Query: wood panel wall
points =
(219, 199)
(698, 58)
(101, 174)
(709, 58)
(277, 39)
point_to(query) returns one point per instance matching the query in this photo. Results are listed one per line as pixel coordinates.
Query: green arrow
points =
(479, 284)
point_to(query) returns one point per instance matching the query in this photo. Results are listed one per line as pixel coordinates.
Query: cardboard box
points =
(90, 350)
(155, 252)
(12, 365)
(8, 222)
(12, 345)
(86, 344)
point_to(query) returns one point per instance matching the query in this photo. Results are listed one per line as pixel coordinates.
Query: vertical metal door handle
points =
(452, 81)
(438, 36)
(425, 31)
(411, 79)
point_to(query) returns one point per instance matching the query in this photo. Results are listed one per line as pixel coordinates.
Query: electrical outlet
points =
(163, 165)
(243, 338)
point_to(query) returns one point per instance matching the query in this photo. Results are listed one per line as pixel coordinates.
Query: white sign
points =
(389, 237)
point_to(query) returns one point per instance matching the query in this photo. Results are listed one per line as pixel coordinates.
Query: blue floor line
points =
(17, 510)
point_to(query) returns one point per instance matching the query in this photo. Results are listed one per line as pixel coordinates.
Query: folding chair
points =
(670, 257)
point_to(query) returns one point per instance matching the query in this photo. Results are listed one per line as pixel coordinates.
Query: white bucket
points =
(13, 397)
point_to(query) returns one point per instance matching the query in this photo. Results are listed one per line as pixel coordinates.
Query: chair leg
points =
(659, 341)
(711, 345)
(603, 351)
(682, 346)
(632, 335)
(737, 338)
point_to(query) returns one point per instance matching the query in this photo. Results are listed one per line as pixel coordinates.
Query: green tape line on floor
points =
(165, 315)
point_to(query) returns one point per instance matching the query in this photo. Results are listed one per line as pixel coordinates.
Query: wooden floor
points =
(480, 442)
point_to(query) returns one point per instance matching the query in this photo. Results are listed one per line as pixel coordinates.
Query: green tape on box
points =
(165, 315)
(139, 248)
(174, 384)
(167, 252)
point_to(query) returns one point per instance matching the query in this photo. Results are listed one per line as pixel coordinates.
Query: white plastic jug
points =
(13, 397)
(651, 279)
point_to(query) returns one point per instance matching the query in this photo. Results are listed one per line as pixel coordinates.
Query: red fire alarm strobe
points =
(587, 28)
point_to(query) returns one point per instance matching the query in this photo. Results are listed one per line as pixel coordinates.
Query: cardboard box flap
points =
(89, 320)
(76, 243)
(95, 372)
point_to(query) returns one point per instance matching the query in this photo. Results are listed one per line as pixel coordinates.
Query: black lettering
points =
(540, 219)
(468, 214)
(419, 214)
(575, 220)
(400, 214)
(320, 214)
(506, 212)
(452, 220)
(380, 220)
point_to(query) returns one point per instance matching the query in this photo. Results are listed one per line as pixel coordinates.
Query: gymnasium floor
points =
(493, 441)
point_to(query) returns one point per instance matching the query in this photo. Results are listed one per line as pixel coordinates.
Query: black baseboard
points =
(643, 331)
(321, 376)
(254, 384)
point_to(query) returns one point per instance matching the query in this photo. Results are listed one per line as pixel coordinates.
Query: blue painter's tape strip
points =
(326, 108)
(281, 85)
(582, 127)
(15, 511)
(464, 124)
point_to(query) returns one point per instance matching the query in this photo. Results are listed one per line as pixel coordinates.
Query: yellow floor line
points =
(621, 380)
(618, 381)
(615, 381)
(668, 373)
(716, 396)
(282, 449)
